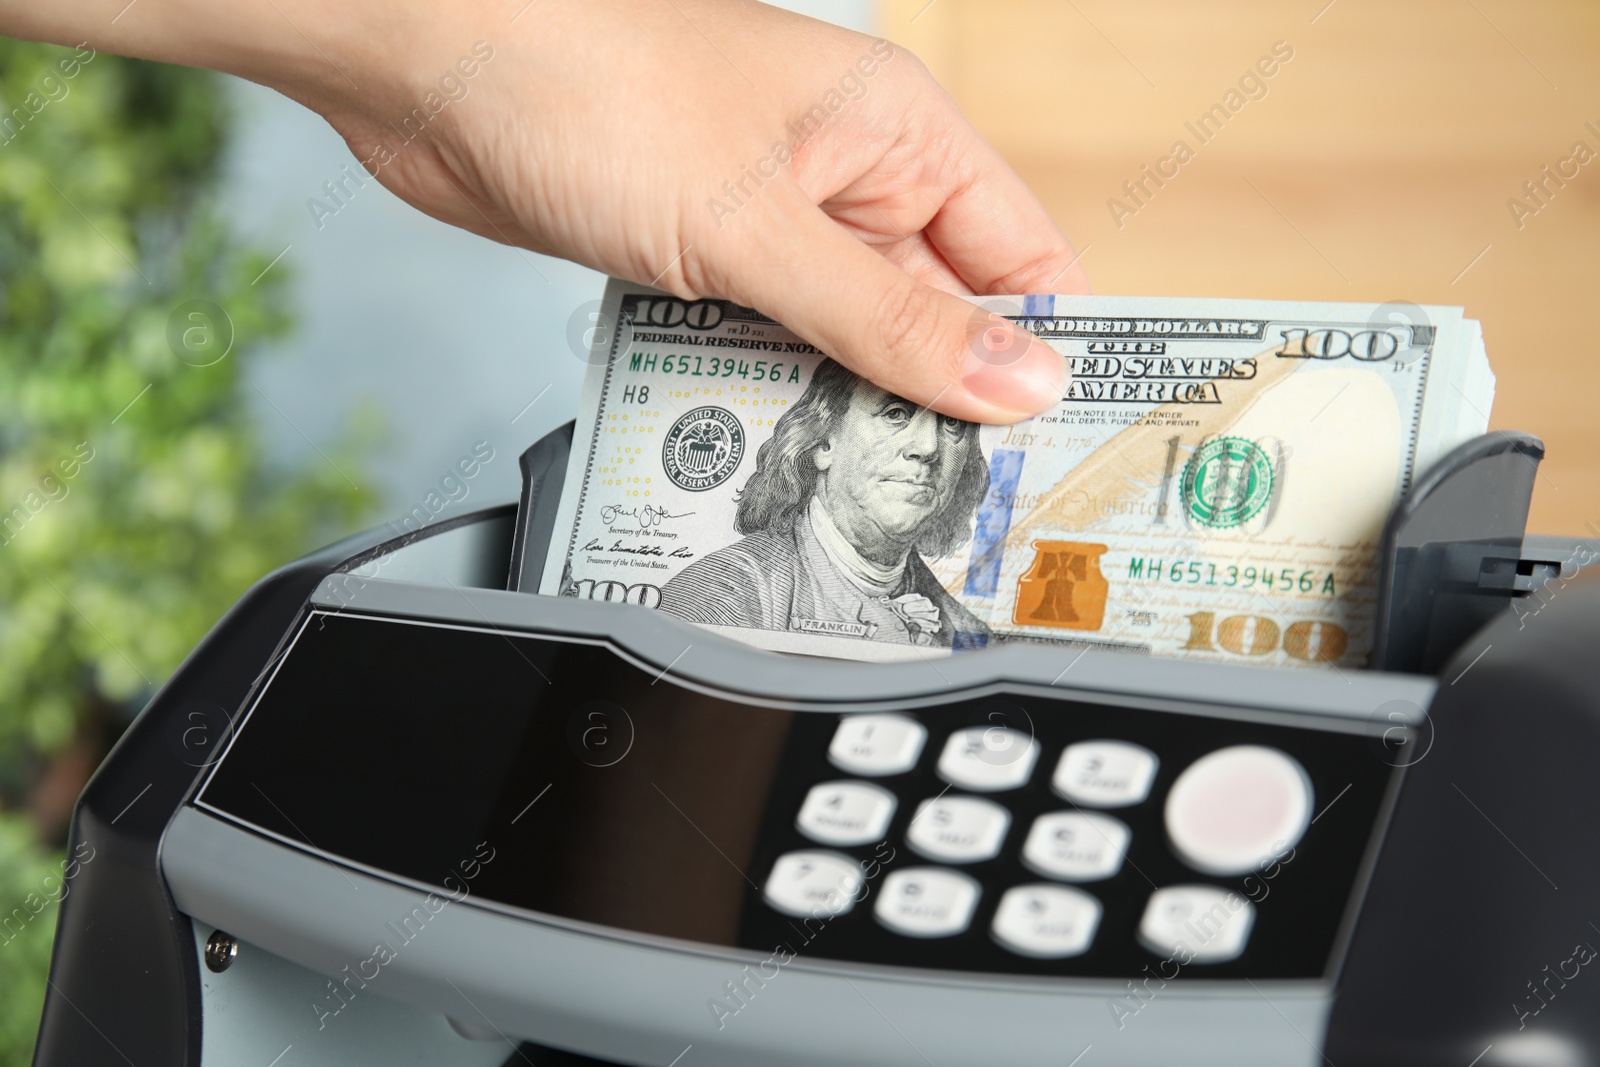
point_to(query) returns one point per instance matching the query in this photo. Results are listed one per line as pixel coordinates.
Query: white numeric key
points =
(808, 884)
(846, 813)
(1105, 774)
(1076, 846)
(1046, 921)
(987, 759)
(927, 902)
(958, 829)
(1196, 923)
(876, 745)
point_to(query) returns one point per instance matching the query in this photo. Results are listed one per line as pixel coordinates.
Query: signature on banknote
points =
(648, 517)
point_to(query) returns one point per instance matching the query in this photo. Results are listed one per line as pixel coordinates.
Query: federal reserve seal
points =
(1227, 482)
(703, 449)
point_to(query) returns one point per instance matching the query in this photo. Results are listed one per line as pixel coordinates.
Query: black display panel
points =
(556, 776)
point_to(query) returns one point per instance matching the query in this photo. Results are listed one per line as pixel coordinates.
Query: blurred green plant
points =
(29, 893)
(136, 502)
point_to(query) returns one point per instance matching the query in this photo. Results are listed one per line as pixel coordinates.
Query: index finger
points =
(995, 233)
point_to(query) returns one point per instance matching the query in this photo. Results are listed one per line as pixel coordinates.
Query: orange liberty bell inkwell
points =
(1064, 588)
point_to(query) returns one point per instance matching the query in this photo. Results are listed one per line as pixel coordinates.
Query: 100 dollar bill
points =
(1213, 485)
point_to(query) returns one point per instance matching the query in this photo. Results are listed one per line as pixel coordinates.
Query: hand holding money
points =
(723, 132)
(1211, 485)
(705, 146)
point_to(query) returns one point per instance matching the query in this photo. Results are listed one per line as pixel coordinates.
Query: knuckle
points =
(1038, 275)
(906, 63)
(909, 326)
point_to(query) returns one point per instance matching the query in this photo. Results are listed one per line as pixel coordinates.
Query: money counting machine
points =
(390, 812)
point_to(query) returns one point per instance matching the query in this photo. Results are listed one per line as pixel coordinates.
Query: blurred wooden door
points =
(1374, 164)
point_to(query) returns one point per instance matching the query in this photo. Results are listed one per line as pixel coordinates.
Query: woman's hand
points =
(709, 147)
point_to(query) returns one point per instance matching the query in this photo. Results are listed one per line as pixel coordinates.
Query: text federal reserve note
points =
(1213, 485)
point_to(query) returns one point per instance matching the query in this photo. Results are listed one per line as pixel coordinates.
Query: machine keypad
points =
(846, 813)
(1046, 846)
(988, 759)
(1227, 813)
(927, 902)
(958, 829)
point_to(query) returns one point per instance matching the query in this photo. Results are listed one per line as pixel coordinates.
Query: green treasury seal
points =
(1227, 482)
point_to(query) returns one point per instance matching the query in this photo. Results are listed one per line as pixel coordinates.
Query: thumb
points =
(930, 347)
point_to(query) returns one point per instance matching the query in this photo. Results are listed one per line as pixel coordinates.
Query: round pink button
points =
(1238, 809)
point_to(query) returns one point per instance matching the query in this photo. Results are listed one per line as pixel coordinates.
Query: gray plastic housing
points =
(642, 1000)
(507, 975)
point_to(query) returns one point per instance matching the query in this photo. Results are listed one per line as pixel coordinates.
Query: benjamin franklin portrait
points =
(853, 491)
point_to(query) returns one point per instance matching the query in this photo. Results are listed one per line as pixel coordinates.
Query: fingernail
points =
(1027, 383)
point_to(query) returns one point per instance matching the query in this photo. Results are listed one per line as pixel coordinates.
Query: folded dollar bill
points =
(1213, 485)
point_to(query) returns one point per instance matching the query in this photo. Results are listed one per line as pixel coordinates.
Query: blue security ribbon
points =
(994, 522)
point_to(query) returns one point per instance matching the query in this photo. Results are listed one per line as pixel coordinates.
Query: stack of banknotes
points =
(1213, 485)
